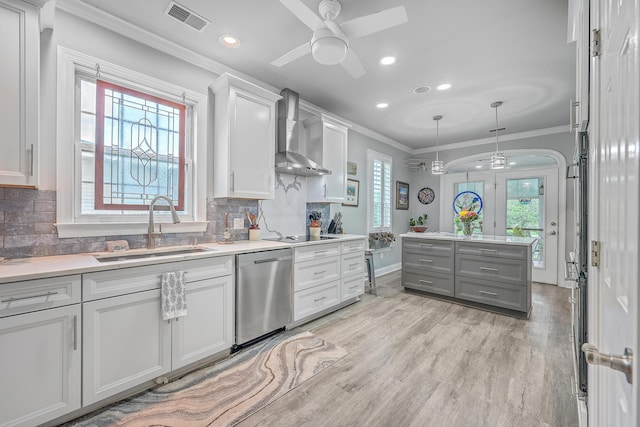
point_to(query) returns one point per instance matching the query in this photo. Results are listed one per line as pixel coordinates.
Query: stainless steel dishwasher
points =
(263, 294)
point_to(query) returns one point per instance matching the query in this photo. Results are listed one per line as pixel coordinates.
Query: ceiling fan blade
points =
(335, 28)
(303, 13)
(352, 64)
(369, 24)
(292, 55)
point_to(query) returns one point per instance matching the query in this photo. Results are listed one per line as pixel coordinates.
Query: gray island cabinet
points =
(492, 273)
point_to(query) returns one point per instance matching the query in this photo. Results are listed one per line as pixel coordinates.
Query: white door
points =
(522, 201)
(527, 204)
(613, 206)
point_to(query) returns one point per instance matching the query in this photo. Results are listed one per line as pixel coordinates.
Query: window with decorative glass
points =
(133, 147)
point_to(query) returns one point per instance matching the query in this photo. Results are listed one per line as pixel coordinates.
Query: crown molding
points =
(484, 141)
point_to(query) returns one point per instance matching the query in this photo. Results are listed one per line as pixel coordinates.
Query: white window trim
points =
(371, 156)
(68, 225)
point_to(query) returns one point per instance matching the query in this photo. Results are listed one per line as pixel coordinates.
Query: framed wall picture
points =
(402, 195)
(353, 192)
(352, 168)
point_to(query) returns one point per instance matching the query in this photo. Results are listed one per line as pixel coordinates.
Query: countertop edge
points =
(23, 269)
(500, 240)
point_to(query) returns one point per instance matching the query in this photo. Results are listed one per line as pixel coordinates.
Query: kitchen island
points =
(488, 272)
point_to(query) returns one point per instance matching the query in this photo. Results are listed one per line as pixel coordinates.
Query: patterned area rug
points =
(228, 392)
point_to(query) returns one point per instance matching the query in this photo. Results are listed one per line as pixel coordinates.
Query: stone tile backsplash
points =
(27, 229)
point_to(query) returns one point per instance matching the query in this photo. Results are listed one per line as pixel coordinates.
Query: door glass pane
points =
(477, 187)
(525, 213)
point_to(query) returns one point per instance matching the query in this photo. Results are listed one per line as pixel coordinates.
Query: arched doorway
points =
(522, 199)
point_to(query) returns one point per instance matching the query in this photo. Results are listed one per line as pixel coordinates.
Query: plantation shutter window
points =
(380, 167)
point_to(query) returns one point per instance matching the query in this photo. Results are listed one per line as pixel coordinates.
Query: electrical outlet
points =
(238, 223)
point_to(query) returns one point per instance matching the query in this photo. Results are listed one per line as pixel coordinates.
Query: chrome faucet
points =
(151, 242)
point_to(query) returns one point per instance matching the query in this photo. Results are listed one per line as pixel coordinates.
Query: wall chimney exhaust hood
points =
(291, 158)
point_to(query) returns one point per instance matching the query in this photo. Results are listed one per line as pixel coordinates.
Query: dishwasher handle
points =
(262, 261)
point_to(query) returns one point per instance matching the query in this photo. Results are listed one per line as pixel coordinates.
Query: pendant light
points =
(498, 160)
(437, 166)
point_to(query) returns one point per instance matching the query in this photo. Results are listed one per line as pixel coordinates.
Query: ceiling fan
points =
(330, 42)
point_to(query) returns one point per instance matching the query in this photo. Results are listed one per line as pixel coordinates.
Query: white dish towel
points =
(174, 299)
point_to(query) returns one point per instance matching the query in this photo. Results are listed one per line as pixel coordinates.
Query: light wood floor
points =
(419, 361)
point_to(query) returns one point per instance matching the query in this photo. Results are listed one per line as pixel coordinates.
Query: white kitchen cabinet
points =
(41, 365)
(208, 327)
(327, 145)
(244, 139)
(325, 276)
(125, 344)
(19, 86)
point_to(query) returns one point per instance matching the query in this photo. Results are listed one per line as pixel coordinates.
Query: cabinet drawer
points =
(492, 268)
(352, 287)
(312, 273)
(493, 250)
(33, 295)
(310, 252)
(135, 279)
(316, 299)
(434, 261)
(353, 264)
(353, 246)
(492, 293)
(428, 246)
(437, 283)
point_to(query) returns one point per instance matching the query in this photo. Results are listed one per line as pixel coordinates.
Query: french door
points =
(514, 202)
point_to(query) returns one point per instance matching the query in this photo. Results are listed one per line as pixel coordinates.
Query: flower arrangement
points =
(467, 216)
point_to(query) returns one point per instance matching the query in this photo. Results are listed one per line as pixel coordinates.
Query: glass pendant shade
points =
(498, 161)
(437, 167)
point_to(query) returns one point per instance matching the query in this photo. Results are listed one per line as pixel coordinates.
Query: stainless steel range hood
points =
(291, 157)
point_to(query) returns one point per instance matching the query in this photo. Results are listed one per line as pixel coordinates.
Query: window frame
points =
(70, 221)
(371, 157)
(101, 86)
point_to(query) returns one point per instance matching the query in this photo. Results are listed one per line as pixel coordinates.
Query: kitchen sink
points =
(149, 254)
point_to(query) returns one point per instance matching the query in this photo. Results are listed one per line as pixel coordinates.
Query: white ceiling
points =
(513, 51)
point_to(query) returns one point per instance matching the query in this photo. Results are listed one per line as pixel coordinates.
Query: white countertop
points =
(505, 240)
(48, 266)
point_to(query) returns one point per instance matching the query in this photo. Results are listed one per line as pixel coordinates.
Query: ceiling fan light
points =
(498, 161)
(329, 50)
(437, 167)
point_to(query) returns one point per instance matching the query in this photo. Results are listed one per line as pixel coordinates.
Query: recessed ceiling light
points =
(512, 163)
(388, 60)
(478, 166)
(444, 86)
(422, 89)
(382, 105)
(228, 40)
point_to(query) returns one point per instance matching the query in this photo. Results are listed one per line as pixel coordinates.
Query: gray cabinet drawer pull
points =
(319, 299)
(320, 272)
(425, 281)
(425, 260)
(495, 270)
(354, 287)
(426, 245)
(487, 250)
(320, 252)
(46, 294)
(355, 264)
(493, 294)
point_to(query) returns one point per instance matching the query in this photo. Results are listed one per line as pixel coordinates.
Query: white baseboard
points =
(567, 284)
(388, 269)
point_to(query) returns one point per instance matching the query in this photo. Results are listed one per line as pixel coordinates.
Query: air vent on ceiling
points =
(187, 16)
